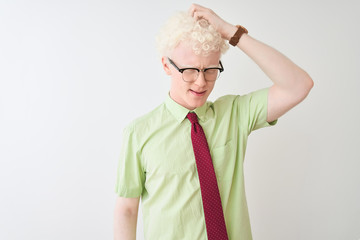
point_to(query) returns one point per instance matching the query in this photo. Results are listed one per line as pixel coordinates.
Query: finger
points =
(198, 7)
(195, 8)
(201, 15)
(192, 9)
(197, 15)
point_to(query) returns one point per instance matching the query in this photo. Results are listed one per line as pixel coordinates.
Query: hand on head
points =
(224, 28)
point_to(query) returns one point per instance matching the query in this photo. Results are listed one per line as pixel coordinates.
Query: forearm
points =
(125, 227)
(291, 83)
(282, 71)
(286, 75)
(125, 221)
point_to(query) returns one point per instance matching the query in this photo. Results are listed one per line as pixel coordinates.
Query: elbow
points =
(302, 89)
(308, 84)
(127, 206)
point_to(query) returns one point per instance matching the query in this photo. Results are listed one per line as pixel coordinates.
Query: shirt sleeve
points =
(130, 174)
(253, 110)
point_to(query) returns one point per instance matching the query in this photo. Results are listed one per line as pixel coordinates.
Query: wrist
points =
(240, 30)
(230, 32)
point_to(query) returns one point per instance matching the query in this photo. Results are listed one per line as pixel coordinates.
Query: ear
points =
(165, 64)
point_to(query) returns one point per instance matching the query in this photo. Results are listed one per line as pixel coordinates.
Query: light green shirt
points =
(157, 163)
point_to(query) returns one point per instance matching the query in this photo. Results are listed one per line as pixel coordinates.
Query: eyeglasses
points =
(191, 74)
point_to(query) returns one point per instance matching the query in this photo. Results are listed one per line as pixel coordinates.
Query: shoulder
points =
(241, 106)
(147, 121)
(224, 102)
(226, 99)
(260, 95)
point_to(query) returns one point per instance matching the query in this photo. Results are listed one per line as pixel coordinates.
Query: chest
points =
(170, 152)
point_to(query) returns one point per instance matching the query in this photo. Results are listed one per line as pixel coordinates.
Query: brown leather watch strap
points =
(235, 39)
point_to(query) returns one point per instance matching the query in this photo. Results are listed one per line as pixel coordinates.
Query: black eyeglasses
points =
(191, 74)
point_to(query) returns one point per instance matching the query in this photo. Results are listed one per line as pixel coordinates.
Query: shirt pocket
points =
(223, 158)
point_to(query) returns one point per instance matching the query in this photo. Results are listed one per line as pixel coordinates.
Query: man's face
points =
(194, 94)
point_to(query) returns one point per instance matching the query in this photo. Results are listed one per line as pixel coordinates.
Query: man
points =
(160, 160)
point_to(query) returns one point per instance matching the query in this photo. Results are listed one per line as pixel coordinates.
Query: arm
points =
(291, 84)
(125, 219)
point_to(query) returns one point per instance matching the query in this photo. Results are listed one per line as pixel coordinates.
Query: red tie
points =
(214, 216)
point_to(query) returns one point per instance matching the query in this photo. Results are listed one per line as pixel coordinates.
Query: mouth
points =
(196, 93)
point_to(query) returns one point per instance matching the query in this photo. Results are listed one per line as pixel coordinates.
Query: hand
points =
(226, 29)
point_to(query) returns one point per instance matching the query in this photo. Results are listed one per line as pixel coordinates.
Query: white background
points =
(74, 73)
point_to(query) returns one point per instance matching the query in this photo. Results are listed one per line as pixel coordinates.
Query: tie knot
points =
(192, 117)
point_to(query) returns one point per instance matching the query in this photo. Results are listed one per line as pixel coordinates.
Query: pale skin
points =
(290, 86)
(125, 218)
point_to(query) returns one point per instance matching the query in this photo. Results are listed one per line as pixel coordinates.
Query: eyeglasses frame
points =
(181, 70)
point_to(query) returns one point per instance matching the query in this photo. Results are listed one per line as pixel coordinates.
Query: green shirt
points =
(157, 163)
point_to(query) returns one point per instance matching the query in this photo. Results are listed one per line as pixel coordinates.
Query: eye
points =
(191, 71)
(212, 71)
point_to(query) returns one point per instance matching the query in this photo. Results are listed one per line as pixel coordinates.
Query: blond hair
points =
(198, 34)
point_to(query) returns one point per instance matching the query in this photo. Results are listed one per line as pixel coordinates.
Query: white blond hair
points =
(199, 34)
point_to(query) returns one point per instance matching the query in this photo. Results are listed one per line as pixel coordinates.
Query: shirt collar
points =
(201, 111)
(180, 112)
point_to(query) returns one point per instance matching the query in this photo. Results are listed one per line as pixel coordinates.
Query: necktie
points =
(214, 216)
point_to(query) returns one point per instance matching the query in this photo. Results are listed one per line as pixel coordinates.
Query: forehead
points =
(185, 56)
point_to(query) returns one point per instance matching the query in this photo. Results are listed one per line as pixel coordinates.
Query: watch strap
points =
(240, 31)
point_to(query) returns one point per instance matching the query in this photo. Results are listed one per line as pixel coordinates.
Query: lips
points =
(198, 93)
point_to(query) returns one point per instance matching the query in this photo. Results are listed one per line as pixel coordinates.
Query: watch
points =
(240, 31)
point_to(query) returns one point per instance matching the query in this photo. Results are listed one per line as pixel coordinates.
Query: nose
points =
(200, 81)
